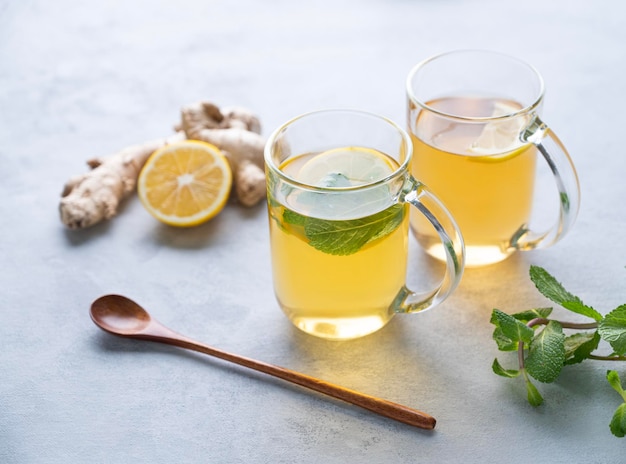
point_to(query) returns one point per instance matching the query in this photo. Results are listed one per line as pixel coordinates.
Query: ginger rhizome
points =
(94, 196)
(91, 197)
(235, 131)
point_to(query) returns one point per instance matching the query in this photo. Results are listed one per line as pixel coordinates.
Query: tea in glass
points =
(473, 116)
(337, 270)
(483, 174)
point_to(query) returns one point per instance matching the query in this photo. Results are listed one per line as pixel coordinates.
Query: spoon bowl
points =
(121, 316)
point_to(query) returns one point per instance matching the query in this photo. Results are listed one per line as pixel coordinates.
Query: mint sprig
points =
(345, 237)
(544, 348)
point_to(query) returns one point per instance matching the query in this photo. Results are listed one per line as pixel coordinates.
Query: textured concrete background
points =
(81, 79)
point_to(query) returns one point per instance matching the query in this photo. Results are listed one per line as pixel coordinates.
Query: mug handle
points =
(564, 172)
(417, 194)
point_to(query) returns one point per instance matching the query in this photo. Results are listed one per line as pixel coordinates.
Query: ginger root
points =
(235, 131)
(94, 196)
(89, 198)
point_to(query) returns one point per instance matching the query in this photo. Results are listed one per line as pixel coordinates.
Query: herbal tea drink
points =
(466, 178)
(338, 197)
(476, 138)
(337, 277)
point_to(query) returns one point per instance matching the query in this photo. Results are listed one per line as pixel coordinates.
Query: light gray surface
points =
(82, 79)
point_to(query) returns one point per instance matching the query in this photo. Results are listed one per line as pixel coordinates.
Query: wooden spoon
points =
(121, 316)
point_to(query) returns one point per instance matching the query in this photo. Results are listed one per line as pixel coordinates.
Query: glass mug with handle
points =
(339, 191)
(474, 120)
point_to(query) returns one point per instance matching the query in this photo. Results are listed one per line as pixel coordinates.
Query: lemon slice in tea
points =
(500, 138)
(346, 167)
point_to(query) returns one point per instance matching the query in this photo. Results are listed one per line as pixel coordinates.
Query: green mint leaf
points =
(618, 422)
(388, 226)
(499, 370)
(291, 217)
(614, 381)
(534, 397)
(547, 353)
(529, 315)
(504, 343)
(552, 289)
(613, 329)
(349, 236)
(579, 346)
(511, 328)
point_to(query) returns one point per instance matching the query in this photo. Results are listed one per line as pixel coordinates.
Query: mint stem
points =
(520, 357)
(565, 325)
(607, 358)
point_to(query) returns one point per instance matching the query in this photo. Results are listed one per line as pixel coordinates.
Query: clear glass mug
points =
(474, 120)
(338, 188)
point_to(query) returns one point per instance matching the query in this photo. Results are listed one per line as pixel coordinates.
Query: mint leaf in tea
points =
(342, 224)
(347, 237)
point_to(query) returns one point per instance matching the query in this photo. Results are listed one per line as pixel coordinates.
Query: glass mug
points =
(338, 193)
(474, 120)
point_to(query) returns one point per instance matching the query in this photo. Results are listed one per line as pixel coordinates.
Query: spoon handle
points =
(158, 333)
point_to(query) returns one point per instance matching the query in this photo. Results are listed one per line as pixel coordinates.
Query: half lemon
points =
(185, 184)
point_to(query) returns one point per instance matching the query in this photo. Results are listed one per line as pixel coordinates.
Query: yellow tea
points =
(481, 172)
(338, 263)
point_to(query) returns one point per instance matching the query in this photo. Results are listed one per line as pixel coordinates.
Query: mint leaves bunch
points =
(544, 348)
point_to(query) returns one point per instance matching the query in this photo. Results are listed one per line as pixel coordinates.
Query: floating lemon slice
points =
(185, 184)
(499, 157)
(500, 139)
(346, 167)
